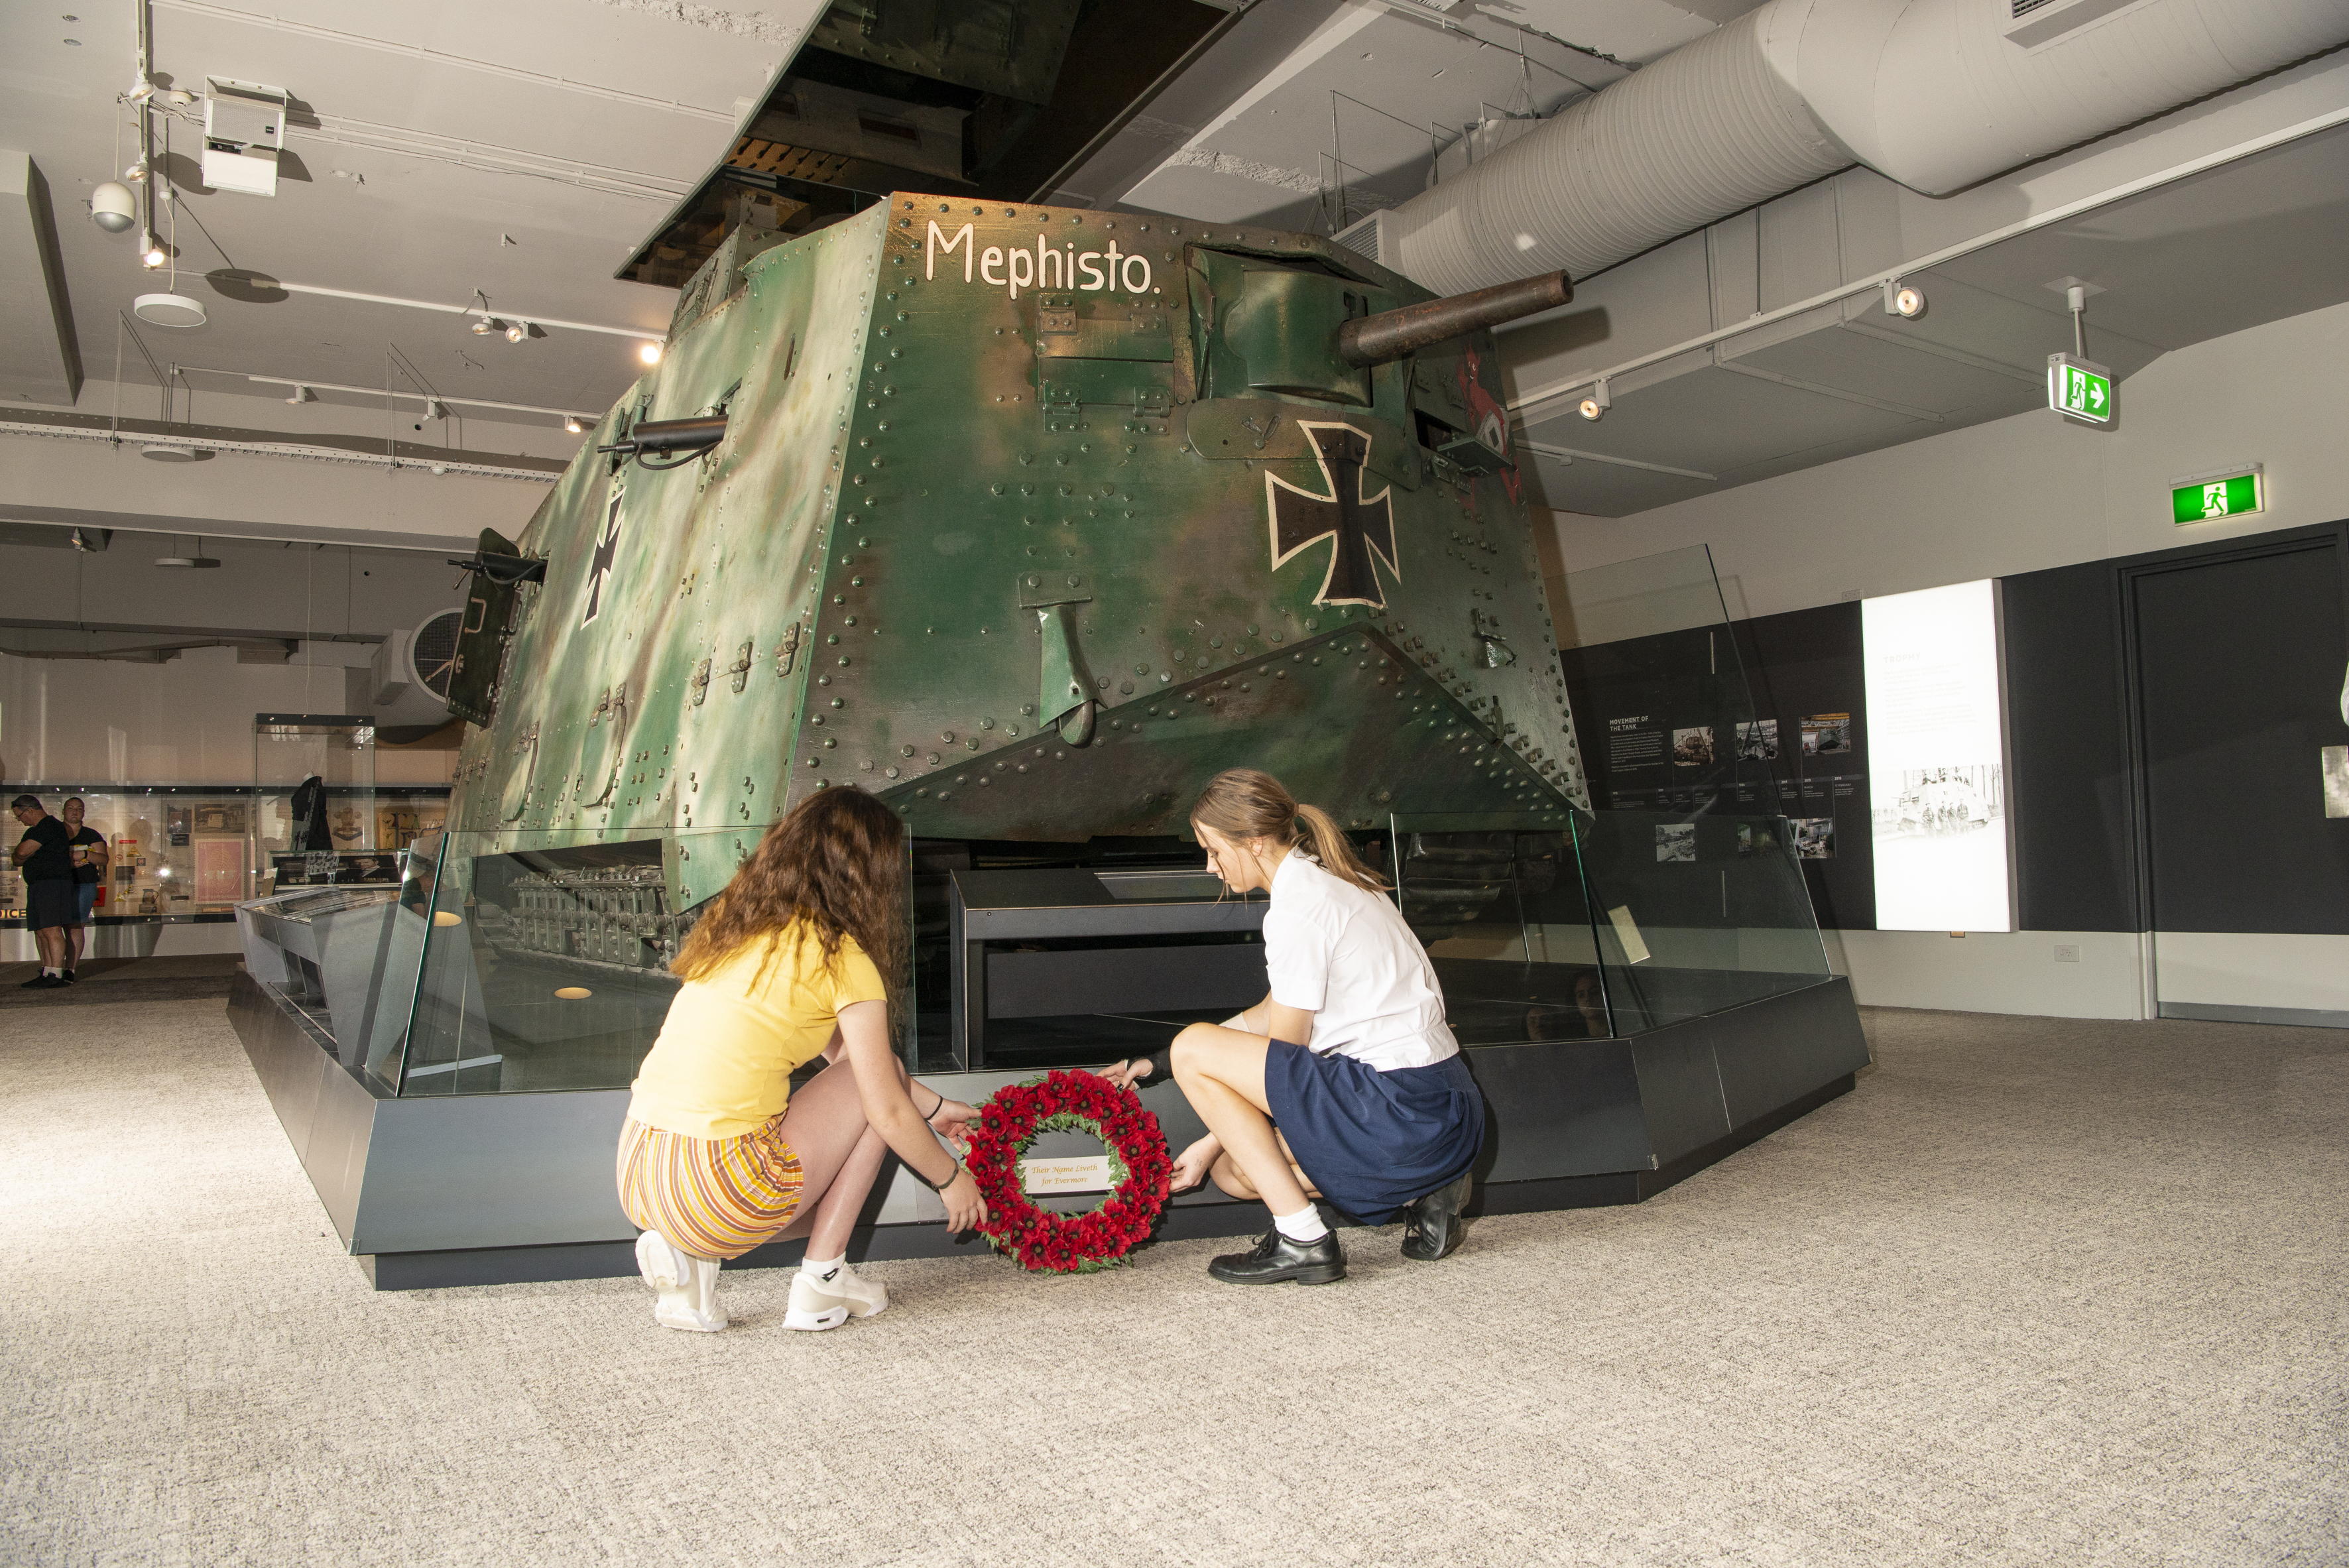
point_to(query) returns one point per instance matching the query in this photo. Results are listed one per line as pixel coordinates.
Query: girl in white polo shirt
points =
(1344, 1083)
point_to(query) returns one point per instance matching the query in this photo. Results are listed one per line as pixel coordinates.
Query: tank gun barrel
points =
(693, 435)
(1391, 334)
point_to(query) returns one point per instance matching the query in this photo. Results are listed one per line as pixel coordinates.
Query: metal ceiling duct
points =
(1935, 94)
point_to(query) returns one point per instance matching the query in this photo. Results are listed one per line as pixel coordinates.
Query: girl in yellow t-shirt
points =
(792, 961)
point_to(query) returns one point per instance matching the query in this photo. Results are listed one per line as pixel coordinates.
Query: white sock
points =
(1303, 1226)
(51, 969)
(822, 1268)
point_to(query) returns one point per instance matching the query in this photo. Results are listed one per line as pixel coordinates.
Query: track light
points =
(141, 90)
(301, 395)
(136, 172)
(1902, 299)
(650, 352)
(1598, 403)
(485, 326)
(517, 332)
(571, 423)
(151, 253)
(435, 409)
(112, 208)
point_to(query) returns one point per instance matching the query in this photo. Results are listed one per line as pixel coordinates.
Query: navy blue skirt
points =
(1373, 1141)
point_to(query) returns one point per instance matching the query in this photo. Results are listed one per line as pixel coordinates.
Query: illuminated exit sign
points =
(2210, 496)
(2079, 389)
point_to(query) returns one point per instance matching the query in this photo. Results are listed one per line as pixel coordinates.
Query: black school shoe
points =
(1432, 1225)
(1275, 1258)
(42, 983)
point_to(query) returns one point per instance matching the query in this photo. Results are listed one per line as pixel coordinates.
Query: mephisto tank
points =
(1028, 520)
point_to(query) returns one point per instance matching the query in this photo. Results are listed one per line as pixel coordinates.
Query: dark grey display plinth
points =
(483, 1189)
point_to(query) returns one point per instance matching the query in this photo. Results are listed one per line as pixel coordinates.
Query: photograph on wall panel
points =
(1939, 824)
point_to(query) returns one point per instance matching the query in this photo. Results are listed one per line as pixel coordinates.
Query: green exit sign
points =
(2210, 496)
(2079, 389)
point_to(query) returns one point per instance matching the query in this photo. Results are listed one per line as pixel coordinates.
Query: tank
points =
(1027, 520)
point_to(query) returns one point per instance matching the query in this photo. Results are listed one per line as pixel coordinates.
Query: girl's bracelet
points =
(937, 1186)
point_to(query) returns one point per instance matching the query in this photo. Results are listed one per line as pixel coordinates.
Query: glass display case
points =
(314, 774)
(190, 851)
(546, 968)
(506, 970)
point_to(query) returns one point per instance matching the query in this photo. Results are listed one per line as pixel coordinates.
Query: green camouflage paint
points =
(979, 454)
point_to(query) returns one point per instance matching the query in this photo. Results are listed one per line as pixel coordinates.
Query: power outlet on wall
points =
(2067, 953)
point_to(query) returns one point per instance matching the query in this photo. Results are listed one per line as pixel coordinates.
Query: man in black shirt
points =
(46, 863)
(92, 859)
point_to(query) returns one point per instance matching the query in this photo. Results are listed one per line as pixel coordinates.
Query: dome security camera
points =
(112, 208)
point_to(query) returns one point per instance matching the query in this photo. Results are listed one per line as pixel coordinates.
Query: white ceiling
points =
(519, 148)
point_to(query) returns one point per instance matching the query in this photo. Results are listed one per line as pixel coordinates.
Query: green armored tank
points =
(1028, 520)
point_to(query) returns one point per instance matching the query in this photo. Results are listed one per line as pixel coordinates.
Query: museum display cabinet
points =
(450, 1050)
(186, 854)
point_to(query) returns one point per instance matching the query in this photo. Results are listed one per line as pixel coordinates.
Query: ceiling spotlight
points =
(136, 172)
(151, 253)
(1903, 299)
(179, 97)
(485, 326)
(650, 352)
(435, 409)
(571, 423)
(141, 90)
(301, 395)
(112, 208)
(1598, 403)
(517, 331)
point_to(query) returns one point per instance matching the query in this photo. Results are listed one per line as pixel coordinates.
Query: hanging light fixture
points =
(198, 560)
(112, 207)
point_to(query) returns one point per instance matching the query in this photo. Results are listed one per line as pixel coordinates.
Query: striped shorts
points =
(713, 1197)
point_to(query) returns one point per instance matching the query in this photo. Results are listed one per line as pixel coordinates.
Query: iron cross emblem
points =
(1359, 526)
(607, 550)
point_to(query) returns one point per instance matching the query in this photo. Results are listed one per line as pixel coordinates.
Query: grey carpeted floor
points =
(2039, 1292)
(194, 977)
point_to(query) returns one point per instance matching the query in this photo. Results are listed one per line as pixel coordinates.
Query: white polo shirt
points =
(1344, 954)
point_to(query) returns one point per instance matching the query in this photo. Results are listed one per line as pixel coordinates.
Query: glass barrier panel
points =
(345, 960)
(1696, 913)
(1500, 902)
(547, 967)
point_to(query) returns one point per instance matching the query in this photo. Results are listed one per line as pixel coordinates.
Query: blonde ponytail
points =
(1242, 804)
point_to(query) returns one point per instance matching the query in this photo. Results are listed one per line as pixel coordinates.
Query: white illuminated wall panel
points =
(1937, 751)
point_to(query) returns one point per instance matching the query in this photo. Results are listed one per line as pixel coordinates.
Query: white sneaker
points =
(821, 1303)
(687, 1286)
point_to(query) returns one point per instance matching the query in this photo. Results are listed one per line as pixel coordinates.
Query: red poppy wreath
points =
(1038, 1239)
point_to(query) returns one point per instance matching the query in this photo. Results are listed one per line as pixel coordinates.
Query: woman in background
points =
(794, 960)
(1344, 1082)
(91, 857)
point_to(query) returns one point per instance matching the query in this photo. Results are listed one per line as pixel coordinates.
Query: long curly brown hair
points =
(837, 861)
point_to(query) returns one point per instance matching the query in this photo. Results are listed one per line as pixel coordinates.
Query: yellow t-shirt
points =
(732, 1038)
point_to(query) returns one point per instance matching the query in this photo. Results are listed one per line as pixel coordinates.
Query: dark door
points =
(2238, 675)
